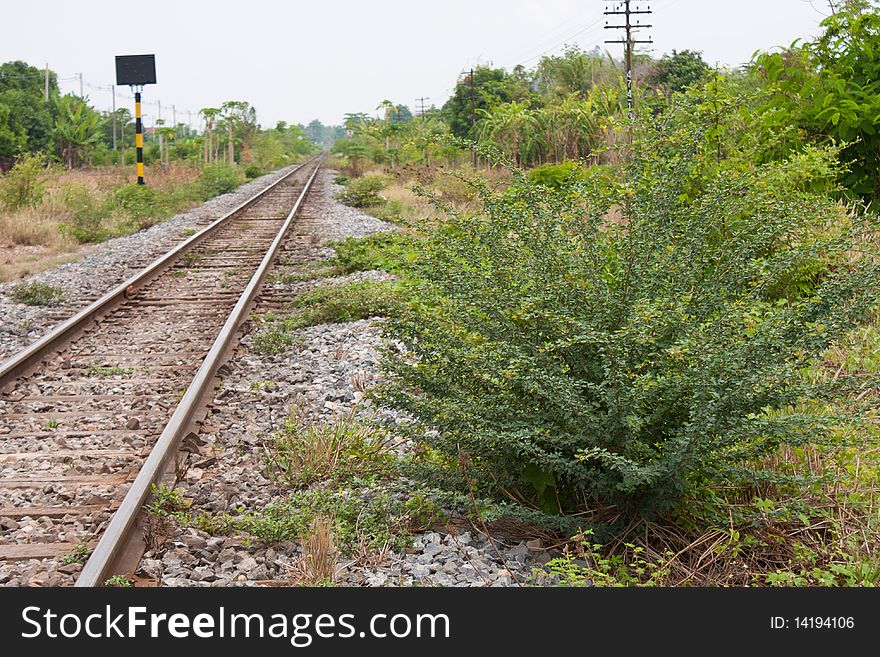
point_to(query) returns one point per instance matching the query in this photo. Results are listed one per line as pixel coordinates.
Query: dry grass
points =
(30, 238)
(318, 562)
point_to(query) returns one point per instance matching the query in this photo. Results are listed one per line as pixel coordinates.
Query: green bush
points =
(22, 186)
(143, 204)
(554, 176)
(627, 342)
(363, 192)
(252, 171)
(36, 294)
(345, 303)
(87, 210)
(218, 179)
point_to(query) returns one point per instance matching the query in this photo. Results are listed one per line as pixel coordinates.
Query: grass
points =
(87, 206)
(326, 305)
(37, 294)
(99, 370)
(338, 451)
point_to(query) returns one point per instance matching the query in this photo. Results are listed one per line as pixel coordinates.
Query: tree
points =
(680, 70)
(77, 128)
(210, 115)
(513, 127)
(488, 88)
(22, 91)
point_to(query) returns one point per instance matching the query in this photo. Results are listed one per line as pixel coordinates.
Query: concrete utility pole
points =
(46, 86)
(81, 86)
(113, 92)
(625, 9)
(473, 112)
(421, 102)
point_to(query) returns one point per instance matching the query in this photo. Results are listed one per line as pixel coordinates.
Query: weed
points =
(319, 552)
(188, 232)
(51, 423)
(346, 303)
(37, 294)
(79, 554)
(364, 192)
(99, 370)
(118, 581)
(190, 258)
(340, 450)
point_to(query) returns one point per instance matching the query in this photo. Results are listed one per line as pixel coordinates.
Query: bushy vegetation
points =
(630, 343)
(363, 192)
(36, 294)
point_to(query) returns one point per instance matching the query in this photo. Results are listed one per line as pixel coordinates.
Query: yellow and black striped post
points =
(139, 137)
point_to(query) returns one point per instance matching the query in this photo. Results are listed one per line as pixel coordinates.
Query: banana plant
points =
(77, 127)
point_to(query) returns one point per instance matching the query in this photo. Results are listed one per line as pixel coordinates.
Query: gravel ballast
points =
(322, 376)
(111, 263)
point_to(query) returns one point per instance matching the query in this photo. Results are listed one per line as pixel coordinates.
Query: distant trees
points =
(26, 119)
(679, 70)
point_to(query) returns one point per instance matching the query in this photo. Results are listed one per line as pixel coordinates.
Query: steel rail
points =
(124, 521)
(24, 360)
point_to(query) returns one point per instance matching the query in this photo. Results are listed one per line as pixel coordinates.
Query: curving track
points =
(96, 411)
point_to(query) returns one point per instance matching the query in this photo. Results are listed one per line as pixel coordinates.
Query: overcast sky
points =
(299, 60)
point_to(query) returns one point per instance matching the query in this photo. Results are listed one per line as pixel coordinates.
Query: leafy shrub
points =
(554, 175)
(22, 185)
(87, 212)
(625, 343)
(218, 179)
(363, 192)
(142, 203)
(252, 171)
(341, 180)
(345, 303)
(387, 250)
(36, 294)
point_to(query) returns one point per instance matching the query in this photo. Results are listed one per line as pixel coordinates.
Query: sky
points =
(300, 60)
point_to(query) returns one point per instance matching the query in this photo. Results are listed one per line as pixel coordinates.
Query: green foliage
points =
(165, 501)
(77, 127)
(829, 89)
(679, 70)
(363, 192)
(218, 179)
(36, 294)
(118, 581)
(87, 213)
(348, 302)
(101, 370)
(630, 341)
(554, 176)
(302, 455)
(584, 564)
(144, 204)
(79, 554)
(23, 186)
(252, 171)
(26, 121)
(386, 250)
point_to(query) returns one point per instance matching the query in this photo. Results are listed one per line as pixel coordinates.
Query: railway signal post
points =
(137, 71)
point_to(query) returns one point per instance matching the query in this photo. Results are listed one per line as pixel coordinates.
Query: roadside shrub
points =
(363, 192)
(554, 175)
(142, 203)
(627, 342)
(218, 179)
(252, 171)
(22, 185)
(36, 294)
(87, 211)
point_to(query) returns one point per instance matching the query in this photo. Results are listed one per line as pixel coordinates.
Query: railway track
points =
(96, 411)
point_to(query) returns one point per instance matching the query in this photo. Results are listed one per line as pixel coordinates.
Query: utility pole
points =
(473, 113)
(421, 102)
(46, 86)
(625, 9)
(113, 92)
(81, 86)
